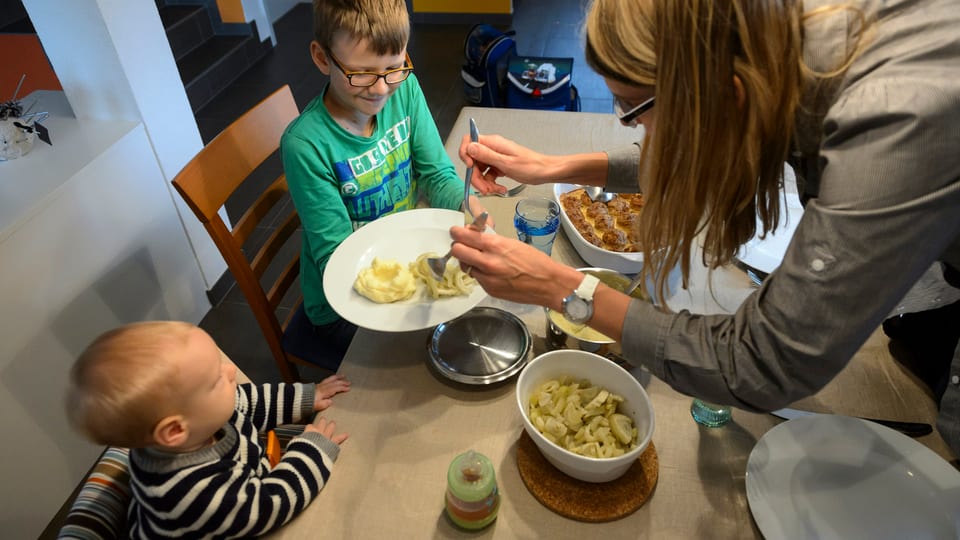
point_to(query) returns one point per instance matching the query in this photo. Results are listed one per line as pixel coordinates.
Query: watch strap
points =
(587, 287)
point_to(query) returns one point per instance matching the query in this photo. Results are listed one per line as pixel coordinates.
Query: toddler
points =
(197, 466)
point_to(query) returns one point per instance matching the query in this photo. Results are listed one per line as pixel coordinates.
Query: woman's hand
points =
(509, 269)
(327, 428)
(328, 388)
(494, 156)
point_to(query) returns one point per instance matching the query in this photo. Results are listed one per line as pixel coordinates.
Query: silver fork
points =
(512, 191)
(438, 265)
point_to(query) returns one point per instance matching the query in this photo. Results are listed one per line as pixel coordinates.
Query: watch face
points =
(576, 309)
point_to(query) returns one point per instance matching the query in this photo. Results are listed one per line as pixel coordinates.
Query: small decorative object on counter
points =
(19, 127)
(472, 498)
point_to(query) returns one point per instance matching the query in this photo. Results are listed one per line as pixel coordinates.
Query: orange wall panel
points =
(463, 6)
(22, 54)
(231, 11)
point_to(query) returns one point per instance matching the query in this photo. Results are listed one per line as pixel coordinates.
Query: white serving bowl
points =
(600, 372)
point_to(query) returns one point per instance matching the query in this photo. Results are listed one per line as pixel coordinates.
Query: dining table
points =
(406, 422)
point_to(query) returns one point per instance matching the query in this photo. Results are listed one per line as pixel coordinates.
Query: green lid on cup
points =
(470, 477)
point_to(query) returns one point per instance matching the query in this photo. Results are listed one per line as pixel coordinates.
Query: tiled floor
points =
(544, 27)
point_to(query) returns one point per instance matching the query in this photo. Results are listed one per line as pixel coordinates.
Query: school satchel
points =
(544, 83)
(488, 52)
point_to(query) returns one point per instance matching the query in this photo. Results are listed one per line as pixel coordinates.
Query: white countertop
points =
(25, 183)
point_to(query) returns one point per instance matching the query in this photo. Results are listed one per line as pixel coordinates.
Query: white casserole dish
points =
(625, 263)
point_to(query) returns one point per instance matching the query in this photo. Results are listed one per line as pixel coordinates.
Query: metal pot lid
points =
(483, 346)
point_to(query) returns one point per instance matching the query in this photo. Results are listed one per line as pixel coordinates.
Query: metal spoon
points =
(438, 265)
(634, 283)
(597, 194)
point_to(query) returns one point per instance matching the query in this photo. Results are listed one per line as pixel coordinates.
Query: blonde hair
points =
(385, 24)
(717, 166)
(124, 383)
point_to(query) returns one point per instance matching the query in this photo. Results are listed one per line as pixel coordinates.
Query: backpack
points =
(487, 52)
(541, 83)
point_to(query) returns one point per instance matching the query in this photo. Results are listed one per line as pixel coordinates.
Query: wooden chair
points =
(206, 183)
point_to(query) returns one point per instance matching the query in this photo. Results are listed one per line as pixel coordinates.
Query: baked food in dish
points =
(611, 225)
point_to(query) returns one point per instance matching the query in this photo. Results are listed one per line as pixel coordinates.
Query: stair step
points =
(171, 15)
(207, 55)
(19, 26)
(14, 18)
(187, 27)
(210, 68)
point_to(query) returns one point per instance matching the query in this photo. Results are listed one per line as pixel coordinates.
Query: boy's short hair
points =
(124, 383)
(385, 24)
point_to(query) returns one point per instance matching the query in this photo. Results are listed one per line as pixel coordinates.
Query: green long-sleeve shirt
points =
(341, 181)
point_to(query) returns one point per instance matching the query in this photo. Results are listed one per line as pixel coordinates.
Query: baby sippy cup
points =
(472, 499)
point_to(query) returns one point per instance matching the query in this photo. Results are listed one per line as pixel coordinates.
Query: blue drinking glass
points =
(537, 220)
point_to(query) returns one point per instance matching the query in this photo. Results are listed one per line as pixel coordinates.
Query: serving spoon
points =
(597, 194)
(634, 283)
(438, 265)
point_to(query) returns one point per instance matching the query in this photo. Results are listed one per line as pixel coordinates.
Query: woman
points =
(864, 99)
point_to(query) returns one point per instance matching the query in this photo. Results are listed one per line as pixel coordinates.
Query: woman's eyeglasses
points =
(629, 116)
(364, 79)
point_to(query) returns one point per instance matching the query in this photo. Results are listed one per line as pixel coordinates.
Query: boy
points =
(365, 147)
(197, 467)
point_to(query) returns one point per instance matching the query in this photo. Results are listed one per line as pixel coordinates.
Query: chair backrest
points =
(99, 511)
(213, 175)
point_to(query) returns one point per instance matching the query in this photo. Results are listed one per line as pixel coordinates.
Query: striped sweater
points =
(228, 490)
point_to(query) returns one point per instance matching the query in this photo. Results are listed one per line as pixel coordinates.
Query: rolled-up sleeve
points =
(623, 169)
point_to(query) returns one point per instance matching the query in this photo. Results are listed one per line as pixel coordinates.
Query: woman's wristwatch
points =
(578, 306)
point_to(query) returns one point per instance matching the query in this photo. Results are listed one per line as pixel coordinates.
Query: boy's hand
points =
(328, 388)
(326, 428)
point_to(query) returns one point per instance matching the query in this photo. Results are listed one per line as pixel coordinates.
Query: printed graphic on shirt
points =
(378, 181)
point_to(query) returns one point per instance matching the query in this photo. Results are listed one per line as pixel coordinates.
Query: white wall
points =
(119, 67)
(103, 246)
(278, 8)
(266, 12)
(104, 249)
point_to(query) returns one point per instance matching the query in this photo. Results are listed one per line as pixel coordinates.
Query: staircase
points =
(13, 18)
(210, 54)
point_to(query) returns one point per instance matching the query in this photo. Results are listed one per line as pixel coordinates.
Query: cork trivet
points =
(587, 501)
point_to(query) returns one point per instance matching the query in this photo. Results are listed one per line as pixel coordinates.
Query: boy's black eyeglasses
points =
(364, 79)
(631, 115)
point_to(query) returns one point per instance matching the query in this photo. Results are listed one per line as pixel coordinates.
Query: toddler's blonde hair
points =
(125, 382)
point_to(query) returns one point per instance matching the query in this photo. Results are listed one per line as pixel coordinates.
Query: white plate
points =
(402, 237)
(765, 255)
(840, 477)
(626, 263)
